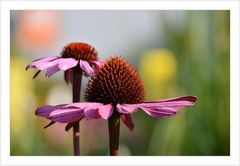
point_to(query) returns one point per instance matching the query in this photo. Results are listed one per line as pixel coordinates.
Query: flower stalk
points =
(76, 88)
(114, 129)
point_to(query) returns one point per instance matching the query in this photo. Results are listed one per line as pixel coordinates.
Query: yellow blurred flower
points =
(158, 69)
(159, 65)
(21, 96)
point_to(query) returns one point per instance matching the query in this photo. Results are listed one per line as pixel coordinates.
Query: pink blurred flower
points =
(74, 55)
(38, 30)
(115, 87)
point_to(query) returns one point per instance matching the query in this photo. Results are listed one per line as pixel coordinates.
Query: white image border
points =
(7, 6)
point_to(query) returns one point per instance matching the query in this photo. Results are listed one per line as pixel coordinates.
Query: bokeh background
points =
(175, 52)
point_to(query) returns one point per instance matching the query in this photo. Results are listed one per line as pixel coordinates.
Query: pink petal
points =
(126, 108)
(45, 110)
(47, 64)
(68, 76)
(166, 107)
(105, 111)
(159, 112)
(191, 99)
(84, 105)
(52, 70)
(84, 65)
(176, 103)
(127, 120)
(67, 63)
(49, 58)
(91, 111)
(66, 115)
(41, 60)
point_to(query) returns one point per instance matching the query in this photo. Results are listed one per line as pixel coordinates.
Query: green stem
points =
(76, 88)
(114, 129)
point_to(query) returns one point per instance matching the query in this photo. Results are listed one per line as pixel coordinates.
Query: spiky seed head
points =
(115, 82)
(80, 51)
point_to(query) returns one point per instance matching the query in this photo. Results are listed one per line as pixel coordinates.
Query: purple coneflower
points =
(114, 92)
(73, 55)
(75, 59)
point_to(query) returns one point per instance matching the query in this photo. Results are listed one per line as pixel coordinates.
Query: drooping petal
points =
(105, 111)
(67, 63)
(169, 107)
(177, 103)
(84, 105)
(84, 65)
(126, 108)
(41, 60)
(66, 115)
(127, 120)
(91, 112)
(45, 110)
(159, 112)
(47, 64)
(68, 76)
(52, 70)
(189, 99)
(90, 109)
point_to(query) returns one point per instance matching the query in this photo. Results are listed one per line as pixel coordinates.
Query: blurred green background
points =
(176, 53)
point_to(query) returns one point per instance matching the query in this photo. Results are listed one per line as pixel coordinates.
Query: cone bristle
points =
(80, 51)
(115, 82)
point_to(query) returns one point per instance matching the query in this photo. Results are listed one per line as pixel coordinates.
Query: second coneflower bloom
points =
(76, 54)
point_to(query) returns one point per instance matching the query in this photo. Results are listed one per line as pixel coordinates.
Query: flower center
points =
(80, 51)
(115, 82)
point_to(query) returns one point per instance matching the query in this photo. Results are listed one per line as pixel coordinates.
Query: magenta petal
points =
(126, 108)
(39, 61)
(159, 112)
(68, 76)
(45, 65)
(92, 112)
(84, 105)
(167, 107)
(45, 110)
(44, 59)
(105, 111)
(190, 99)
(66, 115)
(84, 65)
(52, 70)
(67, 63)
(90, 109)
(176, 103)
(127, 120)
